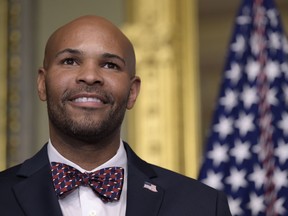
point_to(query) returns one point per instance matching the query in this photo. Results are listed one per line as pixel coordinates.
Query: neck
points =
(86, 155)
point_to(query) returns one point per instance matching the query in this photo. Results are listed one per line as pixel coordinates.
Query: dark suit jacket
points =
(27, 190)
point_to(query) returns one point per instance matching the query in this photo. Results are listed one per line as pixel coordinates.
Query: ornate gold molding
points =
(13, 77)
(3, 82)
(164, 125)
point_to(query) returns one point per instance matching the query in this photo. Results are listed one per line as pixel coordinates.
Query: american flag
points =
(150, 187)
(247, 150)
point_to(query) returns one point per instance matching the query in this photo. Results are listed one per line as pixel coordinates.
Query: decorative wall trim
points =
(3, 82)
(13, 79)
(164, 125)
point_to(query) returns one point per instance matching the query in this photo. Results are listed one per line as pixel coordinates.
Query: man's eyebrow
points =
(111, 55)
(69, 50)
(79, 52)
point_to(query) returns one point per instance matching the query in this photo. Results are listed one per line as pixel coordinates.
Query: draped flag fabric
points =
(247, 150)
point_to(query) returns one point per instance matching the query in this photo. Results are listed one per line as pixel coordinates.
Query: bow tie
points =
(106, 183)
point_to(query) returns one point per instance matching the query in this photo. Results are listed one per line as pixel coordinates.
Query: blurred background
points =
(181, 49)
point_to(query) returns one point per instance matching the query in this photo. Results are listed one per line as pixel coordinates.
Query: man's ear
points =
(41, 85)
(134, 91)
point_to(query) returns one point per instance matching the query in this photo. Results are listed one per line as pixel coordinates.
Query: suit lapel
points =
(35, 192)
(143, 196)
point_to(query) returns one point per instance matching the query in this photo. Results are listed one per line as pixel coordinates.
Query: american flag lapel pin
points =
(150, 186)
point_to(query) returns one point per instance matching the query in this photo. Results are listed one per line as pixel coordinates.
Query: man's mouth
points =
(87, 99)
(95, 100)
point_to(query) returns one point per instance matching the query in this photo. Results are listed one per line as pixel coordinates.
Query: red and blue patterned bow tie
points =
(106, 183)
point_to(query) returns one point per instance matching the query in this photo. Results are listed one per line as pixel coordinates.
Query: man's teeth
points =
(87, 99)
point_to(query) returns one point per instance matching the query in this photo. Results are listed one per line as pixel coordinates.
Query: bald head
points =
(89, 28)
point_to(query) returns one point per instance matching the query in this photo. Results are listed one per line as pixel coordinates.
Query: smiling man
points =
(88, 81)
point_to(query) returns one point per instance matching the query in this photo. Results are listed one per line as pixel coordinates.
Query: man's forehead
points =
(81, 32)
(88, 43)
(88, 24)
(91, 31)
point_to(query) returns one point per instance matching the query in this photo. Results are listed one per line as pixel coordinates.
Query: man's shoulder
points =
(172, 180)
(9, 172)
(168, 179)
(177, 185)
(9, 177)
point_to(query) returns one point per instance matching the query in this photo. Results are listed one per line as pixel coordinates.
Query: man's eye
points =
(69, 61)
(110, 65)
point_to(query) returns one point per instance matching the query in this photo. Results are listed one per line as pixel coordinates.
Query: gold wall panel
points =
(163, 126)
(3, 84)
(13, 77)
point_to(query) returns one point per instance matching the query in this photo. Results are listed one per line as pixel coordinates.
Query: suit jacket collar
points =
(36, 194)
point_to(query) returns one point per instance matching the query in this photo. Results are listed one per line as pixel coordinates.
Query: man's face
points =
(87, 84)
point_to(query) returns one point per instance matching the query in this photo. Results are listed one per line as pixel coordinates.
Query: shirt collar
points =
(119, 159)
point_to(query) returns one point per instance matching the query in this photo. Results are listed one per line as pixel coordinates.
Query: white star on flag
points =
(282, 151)
(253, 69)
(279, 206)
(280, 178)
(219, 154)
(271, 97)
(239, 45)
(229, 101)
(275, 40)
(249, 96)
(257, 176)
(272, 14)
(256, 204)
(240, 151)
(236, 179)
(234, 73)
(272, 70)
(245, 123)
(234, 205)
(214, 180)
(224, 127)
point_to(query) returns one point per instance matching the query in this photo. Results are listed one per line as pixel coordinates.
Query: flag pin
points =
(150, 187)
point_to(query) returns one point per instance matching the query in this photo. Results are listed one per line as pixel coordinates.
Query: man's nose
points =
(90, 73)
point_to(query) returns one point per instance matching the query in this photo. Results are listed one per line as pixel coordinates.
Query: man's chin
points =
(85, 136)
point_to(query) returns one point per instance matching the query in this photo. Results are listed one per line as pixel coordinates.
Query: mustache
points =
(104, 96)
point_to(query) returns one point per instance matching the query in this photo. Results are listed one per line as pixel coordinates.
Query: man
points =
(88, 80)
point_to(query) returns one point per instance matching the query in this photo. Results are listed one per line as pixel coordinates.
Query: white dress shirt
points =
(83, 201)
